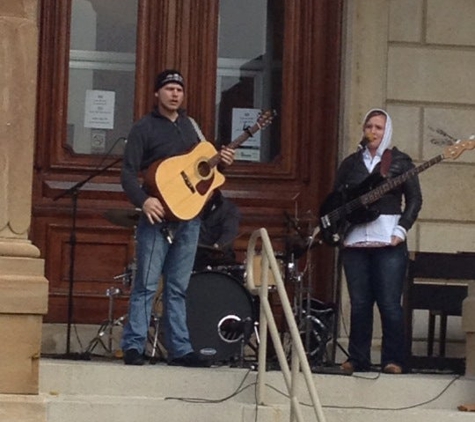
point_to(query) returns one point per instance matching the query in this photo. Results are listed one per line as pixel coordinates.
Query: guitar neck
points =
(243, 137)
(376, 193)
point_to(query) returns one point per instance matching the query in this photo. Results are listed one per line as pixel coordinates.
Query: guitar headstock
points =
(455, 150)
(265, 119)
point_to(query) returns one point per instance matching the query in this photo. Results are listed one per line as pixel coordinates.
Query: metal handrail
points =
(266, 321)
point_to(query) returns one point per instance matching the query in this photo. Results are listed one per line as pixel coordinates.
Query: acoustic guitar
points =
(352, 206)
(184, 183)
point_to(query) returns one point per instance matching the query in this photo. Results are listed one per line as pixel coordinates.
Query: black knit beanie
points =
(168, 76)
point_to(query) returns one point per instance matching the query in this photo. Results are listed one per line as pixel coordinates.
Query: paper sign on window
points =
(99, 109)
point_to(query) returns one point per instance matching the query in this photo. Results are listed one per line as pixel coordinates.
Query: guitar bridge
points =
(187, 182)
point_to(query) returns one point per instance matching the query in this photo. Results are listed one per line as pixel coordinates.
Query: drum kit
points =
(222, 314)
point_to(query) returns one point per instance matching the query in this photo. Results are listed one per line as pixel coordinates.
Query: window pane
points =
(249, 73)
(101, 74)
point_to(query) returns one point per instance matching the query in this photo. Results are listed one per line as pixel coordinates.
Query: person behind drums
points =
(164, 248)
(220, 220)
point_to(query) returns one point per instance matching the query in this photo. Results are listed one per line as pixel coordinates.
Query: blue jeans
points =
(376, 275)
(156, 257)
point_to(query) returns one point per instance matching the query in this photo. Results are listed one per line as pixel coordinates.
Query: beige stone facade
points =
(23, 301)
(415, 58)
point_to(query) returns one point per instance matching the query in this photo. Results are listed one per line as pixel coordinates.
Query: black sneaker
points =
(133, 357)
(191, 360)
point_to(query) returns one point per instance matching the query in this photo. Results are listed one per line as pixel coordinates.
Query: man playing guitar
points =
(165, 249)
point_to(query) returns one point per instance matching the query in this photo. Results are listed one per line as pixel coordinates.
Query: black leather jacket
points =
(352, 172)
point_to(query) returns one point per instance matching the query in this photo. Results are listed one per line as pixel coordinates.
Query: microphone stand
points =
(73, 191)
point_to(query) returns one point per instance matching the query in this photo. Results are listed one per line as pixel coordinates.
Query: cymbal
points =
(123, 217)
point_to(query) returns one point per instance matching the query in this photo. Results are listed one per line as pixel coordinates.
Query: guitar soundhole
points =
(204, 169)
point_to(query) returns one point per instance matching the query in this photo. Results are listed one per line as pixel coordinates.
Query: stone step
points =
(125, 409)
(111, 391)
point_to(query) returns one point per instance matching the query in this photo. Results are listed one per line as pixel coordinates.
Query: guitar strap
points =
(386, 162)
(197, 129)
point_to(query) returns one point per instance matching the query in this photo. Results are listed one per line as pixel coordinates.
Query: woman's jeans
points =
(156, 257)
(376, 275)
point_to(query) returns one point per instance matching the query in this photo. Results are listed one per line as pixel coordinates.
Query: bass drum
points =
(220, 312)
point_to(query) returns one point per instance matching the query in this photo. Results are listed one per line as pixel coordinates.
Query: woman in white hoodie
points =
(374, 253)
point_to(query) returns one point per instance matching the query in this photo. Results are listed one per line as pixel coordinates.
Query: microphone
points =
(365, 141)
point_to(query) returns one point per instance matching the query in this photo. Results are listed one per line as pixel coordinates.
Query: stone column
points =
(468, 326)
(23, 287)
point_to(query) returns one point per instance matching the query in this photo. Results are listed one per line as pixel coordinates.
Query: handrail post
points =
(299, 360)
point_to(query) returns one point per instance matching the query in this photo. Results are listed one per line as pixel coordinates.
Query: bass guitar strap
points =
(386, 162)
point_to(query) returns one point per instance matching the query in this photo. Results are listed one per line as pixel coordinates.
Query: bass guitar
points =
(184, 183)
(340, 209)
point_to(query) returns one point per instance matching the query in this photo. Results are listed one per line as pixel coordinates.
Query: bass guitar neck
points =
(340, 209)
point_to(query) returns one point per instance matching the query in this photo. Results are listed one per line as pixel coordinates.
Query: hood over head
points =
(388, 131)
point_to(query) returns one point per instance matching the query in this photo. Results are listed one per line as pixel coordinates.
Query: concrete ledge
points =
(22, 408)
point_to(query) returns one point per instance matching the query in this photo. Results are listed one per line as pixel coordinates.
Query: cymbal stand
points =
(314, 324)
(302, 302)
(107, 327)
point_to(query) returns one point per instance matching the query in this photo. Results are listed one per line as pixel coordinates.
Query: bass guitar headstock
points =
(455, 150)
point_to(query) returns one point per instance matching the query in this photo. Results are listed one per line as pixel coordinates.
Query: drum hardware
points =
(208, 257)
(316, 328)
(233, 329)
(73, 192)
(107, 327)
(157, 349)
(315, 319)
(218, 251)
(237, 271)
(128, 276)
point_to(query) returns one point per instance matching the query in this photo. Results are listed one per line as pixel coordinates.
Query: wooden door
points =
(183, 34)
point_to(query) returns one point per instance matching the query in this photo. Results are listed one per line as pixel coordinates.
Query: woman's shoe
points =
(392, 368)
(347, 367)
